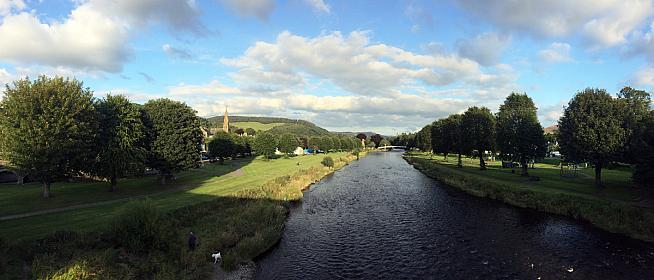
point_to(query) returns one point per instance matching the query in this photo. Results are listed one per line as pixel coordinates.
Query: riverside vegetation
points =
(144, 239)
(617, 208)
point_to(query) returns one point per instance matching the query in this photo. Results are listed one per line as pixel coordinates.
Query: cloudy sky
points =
(345, 65)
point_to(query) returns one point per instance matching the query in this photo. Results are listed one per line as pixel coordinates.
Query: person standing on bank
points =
(192, 241)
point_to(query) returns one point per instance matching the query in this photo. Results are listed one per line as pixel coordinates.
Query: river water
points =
(380, 218)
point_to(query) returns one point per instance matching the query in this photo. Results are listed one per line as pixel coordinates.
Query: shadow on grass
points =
(241, 222)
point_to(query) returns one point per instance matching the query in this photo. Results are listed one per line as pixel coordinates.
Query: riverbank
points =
(242, 220)
(616, 209)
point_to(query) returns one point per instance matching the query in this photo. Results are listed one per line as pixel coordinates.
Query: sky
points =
(383, 66)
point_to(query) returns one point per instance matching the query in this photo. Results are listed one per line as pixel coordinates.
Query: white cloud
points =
(104, 25)
(260, 9)
(319, 5)
(549, 115)
(352, 64)
(602, 23)
(556, 53)
(484, 48)
(644, 77)
(212, 88)
(7, 6)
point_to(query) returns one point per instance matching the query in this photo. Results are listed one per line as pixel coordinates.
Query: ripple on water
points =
(381, 219)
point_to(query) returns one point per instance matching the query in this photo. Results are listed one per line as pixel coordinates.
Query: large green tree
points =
(314, 142)
(49, 127)
(644, 139)
(635, 108)
(591, 129)
(326, 144)
(287, 143)
(423, 139)
(519, 134)
(265, 144)
(221, 146)
(478, 126)
(174, 136)
(376, 138)
(121, 141)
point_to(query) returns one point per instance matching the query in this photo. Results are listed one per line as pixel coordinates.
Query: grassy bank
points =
(241, 214)
(619, 207)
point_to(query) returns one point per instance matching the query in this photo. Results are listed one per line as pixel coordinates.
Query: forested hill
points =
(272, 125)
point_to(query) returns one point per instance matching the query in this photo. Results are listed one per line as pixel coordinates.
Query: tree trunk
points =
(21, 180)
(460, 163)
(482, 164)
(46, 189)
(523, 165)
(163, 178)
(445, 156)
(114, 182)
(598, 174)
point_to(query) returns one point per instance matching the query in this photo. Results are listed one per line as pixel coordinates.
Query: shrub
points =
(140, 227)
(327, 162)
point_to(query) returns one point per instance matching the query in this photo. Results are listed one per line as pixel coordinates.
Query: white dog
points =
(216, 256)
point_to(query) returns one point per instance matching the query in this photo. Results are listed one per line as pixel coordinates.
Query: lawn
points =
(191, 187)
(619, 206)
(618, 184)
(255, 125)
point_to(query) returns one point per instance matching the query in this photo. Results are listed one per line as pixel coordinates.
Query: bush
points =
(140, 227)
(328, 162)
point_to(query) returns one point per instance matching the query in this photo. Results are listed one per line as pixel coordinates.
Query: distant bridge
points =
(392, 147)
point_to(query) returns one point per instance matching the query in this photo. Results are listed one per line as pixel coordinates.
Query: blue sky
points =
(385, 66)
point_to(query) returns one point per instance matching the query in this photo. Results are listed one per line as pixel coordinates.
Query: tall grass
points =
(613, 216)
(144, 243)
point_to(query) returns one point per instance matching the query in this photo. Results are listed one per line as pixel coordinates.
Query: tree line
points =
(53, 128)
(596, 128)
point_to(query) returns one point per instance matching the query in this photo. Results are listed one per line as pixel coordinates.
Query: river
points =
(380, 218)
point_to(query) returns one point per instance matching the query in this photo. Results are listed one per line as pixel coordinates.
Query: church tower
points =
(226, 122)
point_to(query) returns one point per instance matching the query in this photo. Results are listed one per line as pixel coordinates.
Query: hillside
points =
(271, 124)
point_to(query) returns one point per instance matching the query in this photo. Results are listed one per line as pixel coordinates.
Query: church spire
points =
(226, 121)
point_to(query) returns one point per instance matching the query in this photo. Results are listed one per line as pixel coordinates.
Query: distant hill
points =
(353, 134)
(272, 125)
(551, 129)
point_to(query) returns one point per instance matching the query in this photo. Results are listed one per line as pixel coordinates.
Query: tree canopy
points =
(121, 141)
(49, 127)
(174, 136)
(591, 129)
(478, 126)
(287, 143)
(264, 144)
(519, 134)
(221, 146)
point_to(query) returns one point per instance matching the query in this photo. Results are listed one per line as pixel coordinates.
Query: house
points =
(298, 151)
(206, 134)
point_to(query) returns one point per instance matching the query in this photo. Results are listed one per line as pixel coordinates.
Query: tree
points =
(385, 142)
(121, 141)
(221, 146)
(264, 144)
(591, 129)
(315, 142)
(519, 134)
(362, 137)
(635, 107)
(452, 136)
(644, 170)
(250, 131)
(49, 127)
(328, 162)
(478, 126)
(376, 139)
(287, 143)
(174, 135)
(423, 139)
(326, 144)
(242, 145)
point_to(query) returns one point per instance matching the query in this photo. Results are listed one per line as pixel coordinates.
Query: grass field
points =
(203, 184)
(618, 207)
(238, 208)
(256, 125)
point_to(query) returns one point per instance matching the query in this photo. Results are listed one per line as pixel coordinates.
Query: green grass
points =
(618, 207)
(255, 125)
(241, 214)
(204, 184)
